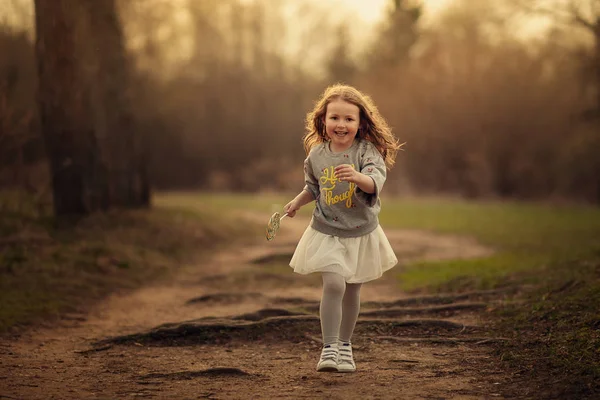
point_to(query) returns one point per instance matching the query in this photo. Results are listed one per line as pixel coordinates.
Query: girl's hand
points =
(347, 173)
(291, 208)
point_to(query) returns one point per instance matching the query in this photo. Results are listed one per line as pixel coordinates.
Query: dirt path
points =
(243, 326)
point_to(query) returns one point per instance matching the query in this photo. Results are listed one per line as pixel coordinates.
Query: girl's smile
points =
(342, 120)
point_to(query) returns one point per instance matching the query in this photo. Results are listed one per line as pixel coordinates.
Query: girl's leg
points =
(350, 311)
(330, 310)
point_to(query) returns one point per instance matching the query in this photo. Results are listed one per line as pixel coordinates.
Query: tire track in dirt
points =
(244, 326)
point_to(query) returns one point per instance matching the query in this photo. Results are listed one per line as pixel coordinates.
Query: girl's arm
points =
(365, 183)
(303, 198)
(347, 173)
(370, 177)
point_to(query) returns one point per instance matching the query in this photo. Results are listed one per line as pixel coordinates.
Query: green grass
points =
(226, 202)
(555, 249)
(526, 237)
(563, 231)
(478, 273)
(555, 332)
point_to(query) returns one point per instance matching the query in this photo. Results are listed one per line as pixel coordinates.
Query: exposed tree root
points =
(187, 375)
(441, 340)
(219, 330)
(313, 305)
(282, 258)
(438, 299)
(245, 277)
(266, 313)
(445, 309)
(292, 328)
(94, 349)
(424, 324)
(225, 298)
(295, 300)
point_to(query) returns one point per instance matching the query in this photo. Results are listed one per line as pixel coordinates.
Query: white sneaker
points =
(328, 361)
(345, 361)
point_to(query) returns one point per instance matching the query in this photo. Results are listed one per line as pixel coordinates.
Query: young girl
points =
(349, 145)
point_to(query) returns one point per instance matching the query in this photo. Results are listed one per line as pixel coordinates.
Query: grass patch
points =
(556, 333)
(226, 202)
(555, 328)
(453, 275)
(527, 237)
(265, 203)
(50, 267)
(561, 230)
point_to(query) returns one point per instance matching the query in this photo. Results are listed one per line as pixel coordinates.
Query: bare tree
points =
(341, 67)
(77, 172)
(583, 14)
(482, 113)
(96, 153)
(111, 90)
(397, 35)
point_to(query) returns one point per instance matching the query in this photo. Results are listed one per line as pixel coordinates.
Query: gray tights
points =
(339, 309)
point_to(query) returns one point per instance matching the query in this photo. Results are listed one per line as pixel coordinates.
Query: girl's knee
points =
(353, 290)
(353, 287)
(333, 284)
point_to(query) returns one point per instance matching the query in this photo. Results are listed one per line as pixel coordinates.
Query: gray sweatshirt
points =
(341, 208)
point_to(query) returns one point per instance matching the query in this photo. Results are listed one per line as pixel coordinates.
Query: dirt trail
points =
(243, 326)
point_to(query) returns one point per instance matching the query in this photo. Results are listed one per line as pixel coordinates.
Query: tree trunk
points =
(78, 180)
(596, 120)
(121, 140)
(597, 62)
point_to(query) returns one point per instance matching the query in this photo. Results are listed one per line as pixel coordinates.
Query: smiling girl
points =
(350, 147)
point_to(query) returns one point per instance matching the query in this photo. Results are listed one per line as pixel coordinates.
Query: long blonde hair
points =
(373, 126)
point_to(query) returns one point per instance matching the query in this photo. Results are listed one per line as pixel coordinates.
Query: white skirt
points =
(357, 259)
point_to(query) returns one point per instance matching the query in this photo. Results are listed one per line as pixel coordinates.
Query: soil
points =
(242, 325)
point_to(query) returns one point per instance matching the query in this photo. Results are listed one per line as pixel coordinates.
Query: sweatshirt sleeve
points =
(372, 165)
(311, 182)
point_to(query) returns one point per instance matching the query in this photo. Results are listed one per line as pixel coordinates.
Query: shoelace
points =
(345, 354)
(329, 353)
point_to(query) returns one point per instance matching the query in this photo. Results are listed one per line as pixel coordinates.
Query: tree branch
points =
(579, 19)
(571, 15)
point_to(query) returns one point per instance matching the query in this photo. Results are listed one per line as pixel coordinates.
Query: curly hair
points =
(373, 126)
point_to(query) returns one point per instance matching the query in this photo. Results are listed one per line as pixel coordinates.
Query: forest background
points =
(494, 99)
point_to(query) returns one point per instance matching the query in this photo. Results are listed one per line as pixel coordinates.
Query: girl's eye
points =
(349, 119)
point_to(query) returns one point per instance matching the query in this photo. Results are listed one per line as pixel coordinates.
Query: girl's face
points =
(342, 120)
